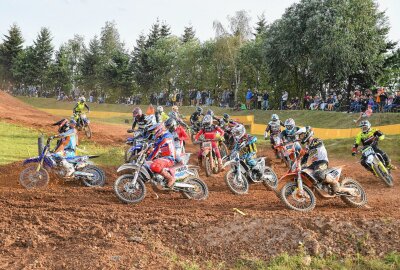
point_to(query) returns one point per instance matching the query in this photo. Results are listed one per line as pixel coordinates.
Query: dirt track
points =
(69, 226)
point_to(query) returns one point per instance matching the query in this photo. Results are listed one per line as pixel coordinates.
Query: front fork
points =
(300, 183)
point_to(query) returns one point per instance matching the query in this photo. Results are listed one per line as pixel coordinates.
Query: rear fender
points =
(291, 178)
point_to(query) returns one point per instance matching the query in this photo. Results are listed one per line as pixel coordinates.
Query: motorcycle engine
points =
(158, 178)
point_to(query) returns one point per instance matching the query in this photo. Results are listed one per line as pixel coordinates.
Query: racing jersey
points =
(80, 106)
(367, 138)
(165, 147)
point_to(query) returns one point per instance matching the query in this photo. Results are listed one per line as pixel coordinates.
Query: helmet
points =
(290, 124)
(72, 122)
(199, 109)
(160, 109)
(275, 117)
(158, 130)
(82, 99)
(210, 112)
(305, 133)
(238, 132)
(171, 124)
(63, 125)
(207, 120)
(137, 112)
(226, 116)
(173, 115)
(315, 143)
(175, 108)
(365, 126)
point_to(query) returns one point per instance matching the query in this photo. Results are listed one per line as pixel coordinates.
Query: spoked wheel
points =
(207, 165)
(384, 175)
(355, 201)
(215, 168)
(97, 180)
(128, 192)
(238, 184)
(223, 149)
(88, 131)
(293, 199)
(270, 179)
(198, 192)
(30, 178)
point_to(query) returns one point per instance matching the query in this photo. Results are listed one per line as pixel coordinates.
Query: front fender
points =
(131, 167)
(31, 160)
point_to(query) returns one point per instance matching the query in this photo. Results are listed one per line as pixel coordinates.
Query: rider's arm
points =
(282, 124)
(134, 124)
(87, 107)
(68, 133)
(379, 134)
(196, 138)
(74, 109)
(357, 142)
(219, 130)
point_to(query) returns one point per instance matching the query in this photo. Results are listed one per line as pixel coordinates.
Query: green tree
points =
(188, 34)
(165, 30)
(9, 51)
(261, 26)
(91, 66)
(62, 69)
(43, 50)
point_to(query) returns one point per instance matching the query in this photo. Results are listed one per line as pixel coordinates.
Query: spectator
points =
(265, 101)
(198, 98)
(307, 100)
(249, 96)
(331, 102)
(259, 100)
(315, 103)
(284, 100)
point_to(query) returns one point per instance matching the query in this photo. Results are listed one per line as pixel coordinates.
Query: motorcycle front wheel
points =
(291, 197)
(238, 184)
(128, 192)
(88, 131)
(29, 178)
(386, 177)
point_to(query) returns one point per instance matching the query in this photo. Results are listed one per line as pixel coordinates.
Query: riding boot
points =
(337, 188)
(69, 168)
(220, 166)
(168, 177)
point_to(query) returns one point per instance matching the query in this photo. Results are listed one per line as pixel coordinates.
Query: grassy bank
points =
(301, 262)
(321, 119)
(18, 143)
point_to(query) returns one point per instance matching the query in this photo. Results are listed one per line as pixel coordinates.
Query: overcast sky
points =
(86, 17)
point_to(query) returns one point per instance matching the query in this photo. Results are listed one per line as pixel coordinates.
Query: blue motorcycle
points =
(135, 144)
(36, 174)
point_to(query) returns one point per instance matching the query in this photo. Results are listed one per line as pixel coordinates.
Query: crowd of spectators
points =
(380, 100)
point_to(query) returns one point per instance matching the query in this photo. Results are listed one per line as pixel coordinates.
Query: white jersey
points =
(318, 153)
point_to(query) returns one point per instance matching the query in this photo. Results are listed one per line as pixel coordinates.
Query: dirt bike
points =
(286, 151)
(240, 175)
(134, 145)
(83, 123)
(36, 175)
(298, 186)
(376, 162)
(209, 159)
(193, 130)
(130, 188)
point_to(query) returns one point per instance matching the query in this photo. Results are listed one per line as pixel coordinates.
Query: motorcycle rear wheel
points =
(351, 201)
(270, 182)
(98, 179)
(199, 192)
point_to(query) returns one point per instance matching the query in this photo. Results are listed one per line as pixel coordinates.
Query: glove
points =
(353, 154)
(51, 138)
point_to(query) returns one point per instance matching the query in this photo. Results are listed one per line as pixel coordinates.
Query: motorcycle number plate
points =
(207, 144)
(368, 151)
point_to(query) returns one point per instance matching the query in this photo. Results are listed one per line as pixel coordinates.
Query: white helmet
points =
(82, 99)
(365, 126)
(275, 117)
(160, 109)
(305, 133)
(238, 132)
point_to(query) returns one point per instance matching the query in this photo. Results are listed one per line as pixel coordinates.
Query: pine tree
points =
(91, 66)
(43, 50)
(261, 27)
(9, 51)
(154, 34)
(165, 30)
(110, 40)
(61, 73)
(188, 34)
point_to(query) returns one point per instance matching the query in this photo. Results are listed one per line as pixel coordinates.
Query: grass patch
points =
(18, 143)
(321, 119)
(300, 262)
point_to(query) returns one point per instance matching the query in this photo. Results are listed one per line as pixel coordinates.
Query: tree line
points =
(316, 46)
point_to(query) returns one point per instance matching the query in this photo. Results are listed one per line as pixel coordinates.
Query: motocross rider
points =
(273, 128)
(160, 115)
(370, 136)
(143, 121)
(246, 144)
(179, 136)
(289, 133)
(195, 117)
(66, 145)
(210, 132)
(163, 146)
(316, 152)
(176, 115)
(79, 107)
